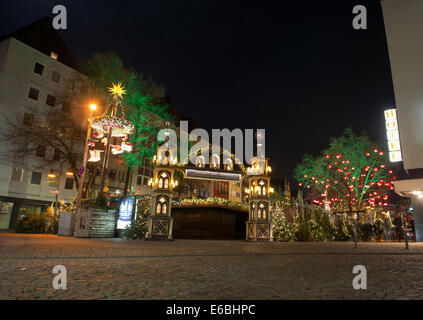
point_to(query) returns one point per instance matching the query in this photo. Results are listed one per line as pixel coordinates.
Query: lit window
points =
(262, 212)
(17, 174)
(163, 181)
(161, 207)
(228, 165)
(54, 55)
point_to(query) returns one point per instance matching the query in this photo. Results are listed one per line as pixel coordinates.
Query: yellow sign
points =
(392, 133)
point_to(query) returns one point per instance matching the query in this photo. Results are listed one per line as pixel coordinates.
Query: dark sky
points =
(295, 68)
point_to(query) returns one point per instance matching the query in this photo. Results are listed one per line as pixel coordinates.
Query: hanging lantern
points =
(95, 156)
(126, 146)
(104, 141)
(116, 150)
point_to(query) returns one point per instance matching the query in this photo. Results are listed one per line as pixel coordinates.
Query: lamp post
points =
(84, 161)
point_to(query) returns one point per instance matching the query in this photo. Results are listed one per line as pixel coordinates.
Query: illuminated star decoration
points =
(117, 90)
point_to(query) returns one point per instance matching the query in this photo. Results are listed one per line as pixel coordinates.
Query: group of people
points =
(387, 228)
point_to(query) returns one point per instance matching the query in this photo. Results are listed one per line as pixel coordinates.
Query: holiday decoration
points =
(94, 156)
(121, 127)
(351, 175)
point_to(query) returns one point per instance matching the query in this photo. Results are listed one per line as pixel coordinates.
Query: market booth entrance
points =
(168, 220)
(208, 223)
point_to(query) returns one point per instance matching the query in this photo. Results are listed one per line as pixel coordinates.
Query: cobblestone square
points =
(199, 269)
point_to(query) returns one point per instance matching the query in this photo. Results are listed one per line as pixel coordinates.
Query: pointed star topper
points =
(117, 89)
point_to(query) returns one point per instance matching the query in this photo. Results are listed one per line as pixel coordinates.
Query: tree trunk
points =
(354, 227)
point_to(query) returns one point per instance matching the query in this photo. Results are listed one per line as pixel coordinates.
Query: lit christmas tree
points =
(349, 175)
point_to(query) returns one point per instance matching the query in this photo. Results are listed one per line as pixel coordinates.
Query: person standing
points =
(387, 226)
(398, 226)
(378, 226)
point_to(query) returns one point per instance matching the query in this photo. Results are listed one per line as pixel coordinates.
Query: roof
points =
(41, 36)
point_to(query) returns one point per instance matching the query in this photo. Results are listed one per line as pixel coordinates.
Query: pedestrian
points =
(378, 225)
(387, 226)
(398, 226)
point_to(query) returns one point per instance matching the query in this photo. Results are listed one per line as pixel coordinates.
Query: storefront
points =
(13, 208)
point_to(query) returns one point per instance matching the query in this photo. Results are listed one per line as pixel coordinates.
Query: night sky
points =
(295, 68)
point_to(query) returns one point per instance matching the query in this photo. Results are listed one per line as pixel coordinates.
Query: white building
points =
(35, 66)
(404, 27)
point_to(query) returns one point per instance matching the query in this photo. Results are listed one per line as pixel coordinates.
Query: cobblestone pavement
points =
(197, 269)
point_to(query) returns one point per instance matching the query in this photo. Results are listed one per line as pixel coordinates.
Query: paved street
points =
(197, 269)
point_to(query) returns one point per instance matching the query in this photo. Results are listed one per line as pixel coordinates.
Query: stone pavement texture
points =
(200, 269)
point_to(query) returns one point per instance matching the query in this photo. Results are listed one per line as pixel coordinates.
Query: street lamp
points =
(93, 107)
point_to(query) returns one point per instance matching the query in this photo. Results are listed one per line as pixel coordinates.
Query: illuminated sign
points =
(392, 135)
(212, 175)
(126, 208)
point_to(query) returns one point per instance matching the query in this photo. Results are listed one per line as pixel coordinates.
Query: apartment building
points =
(35, 66)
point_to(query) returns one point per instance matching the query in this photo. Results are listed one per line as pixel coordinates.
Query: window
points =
(161, 206)
(28, 119)
(38, 68)
(261, 188)
(262, 212)
(54, 55)
(163, 181)
(51, 100)
(66, 107)
(17, 174)
(228, 165)
(41, 151)
(200, 162)
(71, 83)
(215, 161)
(56, 155)
(33, 93)
(36, 178)
(140, 171)
(147, 172)
(139, 180)
(69, 184)
(55, 76)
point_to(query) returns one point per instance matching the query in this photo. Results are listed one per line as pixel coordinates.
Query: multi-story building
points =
(35, 65)
(404, 25)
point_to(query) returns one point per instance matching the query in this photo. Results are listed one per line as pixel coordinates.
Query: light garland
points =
(214, 201)
(121, 127)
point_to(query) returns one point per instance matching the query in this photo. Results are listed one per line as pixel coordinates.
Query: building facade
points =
(31, 81)
(404, 26)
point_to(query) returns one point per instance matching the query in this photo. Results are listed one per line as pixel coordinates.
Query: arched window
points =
(163, 180)
(253, 214)
(228, 164)
(161, 206)
(262, 211)
(215, 161)
(261, 188)
(200, 162)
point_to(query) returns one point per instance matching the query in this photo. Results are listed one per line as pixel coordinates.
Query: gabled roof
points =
(41, 36)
